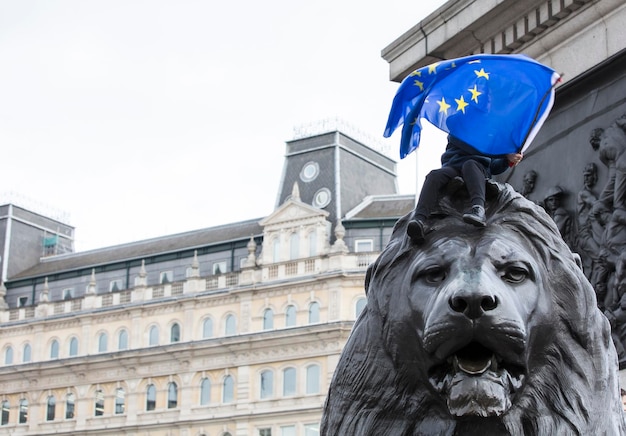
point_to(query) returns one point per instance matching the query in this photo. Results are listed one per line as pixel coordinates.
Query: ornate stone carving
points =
(489, 331)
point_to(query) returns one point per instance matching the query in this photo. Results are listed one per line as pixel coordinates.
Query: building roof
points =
(141, 249)
(382, 207)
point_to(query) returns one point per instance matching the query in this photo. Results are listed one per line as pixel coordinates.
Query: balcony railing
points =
(193, 285)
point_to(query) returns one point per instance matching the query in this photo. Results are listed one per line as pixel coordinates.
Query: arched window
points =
(289, 382)
(154, 335)
(205, 391)
(103, 342)
(175, 333)
(276, 250)
(207, 328)
(360, 305)
(51, 408)
(70, 404)
(73, 347)
(99, 403)
(172, 395)
(120, 401)
(228, 394)
(54, 349)
(122, 340)
(267, 384)
(313, 379)
(26, 357)
(314, 313)
(294, 246)
(8, 356)
(150, 397)
(290, 316)
(23, 412)
(268, 319)
(230, 325)
(313, 243)
(6, 407)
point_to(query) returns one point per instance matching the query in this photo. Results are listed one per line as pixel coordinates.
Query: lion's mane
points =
(380, 385)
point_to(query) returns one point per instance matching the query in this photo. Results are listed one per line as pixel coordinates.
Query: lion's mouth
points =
(476, 381)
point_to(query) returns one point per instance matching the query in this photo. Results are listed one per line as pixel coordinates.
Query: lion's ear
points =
(368, 276)
(578, 260)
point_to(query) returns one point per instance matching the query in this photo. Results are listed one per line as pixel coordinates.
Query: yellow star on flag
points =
(419, 84)
(443, 106)
(432, 68)
(482, 73)
(417, 73)
(461, 104)
(475, 93)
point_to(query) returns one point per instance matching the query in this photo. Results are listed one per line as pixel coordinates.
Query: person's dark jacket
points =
(458, 152)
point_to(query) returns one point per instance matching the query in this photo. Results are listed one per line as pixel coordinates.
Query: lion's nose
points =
(473, 306)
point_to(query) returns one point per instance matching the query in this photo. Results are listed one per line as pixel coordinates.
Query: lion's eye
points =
(515, 274)
(434, 275)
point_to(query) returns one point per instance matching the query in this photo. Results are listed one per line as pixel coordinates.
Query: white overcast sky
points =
(145, 118)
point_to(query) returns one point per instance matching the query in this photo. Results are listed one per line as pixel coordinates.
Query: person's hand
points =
(514, 158)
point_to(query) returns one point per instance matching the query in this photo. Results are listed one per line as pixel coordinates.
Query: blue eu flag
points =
(495, 103)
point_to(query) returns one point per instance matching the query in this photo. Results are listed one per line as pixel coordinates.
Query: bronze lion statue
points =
(478, 331)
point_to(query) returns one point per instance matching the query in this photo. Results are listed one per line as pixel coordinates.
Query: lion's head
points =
(492, 330)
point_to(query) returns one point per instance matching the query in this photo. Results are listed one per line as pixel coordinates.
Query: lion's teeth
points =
(473, 367)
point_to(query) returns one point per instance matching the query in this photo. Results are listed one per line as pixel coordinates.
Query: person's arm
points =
(498, 166)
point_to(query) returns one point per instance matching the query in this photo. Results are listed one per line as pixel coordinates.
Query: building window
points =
(207, 328)
(363, 245)
(265, 432)
(115, 285)
(73, 347)
(360, 305)
(230, 326)
(68, 294)
(219, 268)
(6, 407)
(51, 408)
(276, 250)
(268, 319)
(314, 313)
(122, 340)
(166, 277)
(120, 401)
(103, 340)
(294, 246)
(313, 243)
(175, 333)
(99, 403)
(288, 430)
(267, 384)
(154, 336)
(26, 357)
(311, 429)
(150, 397)
(172, 395)
(313, 379)
(309, 171)
(289, 382)
(22, 302)
(69, 406)
(8, 356)
(322, 198)
(228, 394)
(54, 349)
(290, 316)
(205, 392)
(23, 412)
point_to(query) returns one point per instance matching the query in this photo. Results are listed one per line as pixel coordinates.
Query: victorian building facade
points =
(230, 330)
